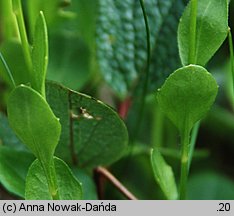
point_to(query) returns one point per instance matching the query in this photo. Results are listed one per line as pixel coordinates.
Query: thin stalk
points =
(192, 33)
(8, 20)
(193, 141)
(145, 86)
(8, 71)
(158, 123)
(51, 179)
(106, 174)
(184, 164)
(17, 7)
(231, 57)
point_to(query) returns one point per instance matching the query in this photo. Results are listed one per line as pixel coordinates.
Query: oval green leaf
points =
(37, 188)
(164, 175)
(92, 133)
(33, 122)
(211, 30)
(187, 95)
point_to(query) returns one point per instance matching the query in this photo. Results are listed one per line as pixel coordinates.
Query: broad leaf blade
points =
(37, 188)
(212, 29)
(33, 122)
(121, 39)
(164, 175)
(187, 95)
(92, 132)
(40, 54)
(14, 165)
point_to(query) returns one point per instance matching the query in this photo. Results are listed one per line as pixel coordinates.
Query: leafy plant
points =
(59, 143)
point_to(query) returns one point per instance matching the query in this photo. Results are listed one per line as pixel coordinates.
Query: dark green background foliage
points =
(98, 47)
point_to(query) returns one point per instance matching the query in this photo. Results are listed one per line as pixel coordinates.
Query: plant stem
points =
(50, 173)
(192, 33)
(193, 141)
(10, 29)
(105, 173)
(17, 7)
(8, 71)
(146, 79)
(231, 57)
(184, 164)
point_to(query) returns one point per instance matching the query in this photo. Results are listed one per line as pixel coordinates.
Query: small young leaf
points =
(14, 166)
(164, 175)
(211, 31)
(40, 55)
(92, 133)
(187, 95)
(37, 188)
(33, 122)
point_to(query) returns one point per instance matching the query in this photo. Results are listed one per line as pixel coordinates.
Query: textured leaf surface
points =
(40, 54)
(212, 28)
(37, 188)
(164, 175)
(92, 129)
(187, 95)
(33, 121)
(14, 166)
(121, 39)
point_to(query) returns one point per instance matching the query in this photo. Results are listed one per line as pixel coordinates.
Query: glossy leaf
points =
(33, 122)
(92, 133)
(40, 54)
(121, 36)
(14, 166)
(164, 175)
(211, 31)
(37, 188)
(187, 95)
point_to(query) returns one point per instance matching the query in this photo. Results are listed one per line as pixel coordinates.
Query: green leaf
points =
(37, 187)
(88, 184)
(69, 60)
(14, 166)
(7, 136)
(121, 39)
(210, 185)
(92, 133)
(13, 55)
(187, 95)
(211, 31)
(33, 122)
(40, 54)
(164, 175)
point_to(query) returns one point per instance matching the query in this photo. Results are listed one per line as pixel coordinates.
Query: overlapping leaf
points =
(121, 40)
(37, 188)
(92, 133)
